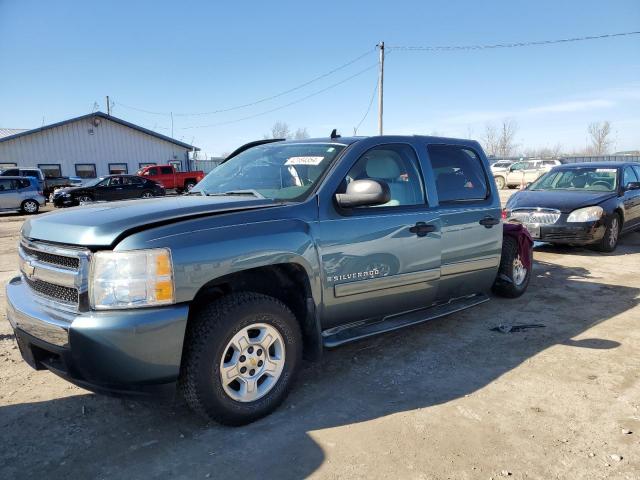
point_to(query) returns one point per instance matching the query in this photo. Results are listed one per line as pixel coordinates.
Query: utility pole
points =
(108, 106)
(381, 88)
(171, 124)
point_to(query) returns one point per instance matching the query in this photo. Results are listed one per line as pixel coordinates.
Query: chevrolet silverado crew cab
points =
(170, 178)
(287, 248)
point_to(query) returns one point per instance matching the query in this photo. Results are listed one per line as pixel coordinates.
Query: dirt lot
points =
(447, 399)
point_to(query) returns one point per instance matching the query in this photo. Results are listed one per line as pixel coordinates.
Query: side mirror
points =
(633, 186)
(364, 193)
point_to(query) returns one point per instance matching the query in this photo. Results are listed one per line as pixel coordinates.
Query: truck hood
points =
(565, 201)
(102, 224)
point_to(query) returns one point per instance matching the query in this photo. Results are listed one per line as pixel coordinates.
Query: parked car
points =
(20, 193)
(523, 172)
(112, 187)
(170, 178)
(285, 249)
(26, 172)
(581, 204)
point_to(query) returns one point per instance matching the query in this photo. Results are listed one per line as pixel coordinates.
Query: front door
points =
(631, 199)
(470, 214)
(379, 260)
(9, 196)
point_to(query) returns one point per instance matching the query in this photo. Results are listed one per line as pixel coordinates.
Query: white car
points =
(523, 172)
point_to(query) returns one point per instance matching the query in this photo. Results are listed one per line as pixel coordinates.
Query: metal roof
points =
(7, 132)
(22, 133)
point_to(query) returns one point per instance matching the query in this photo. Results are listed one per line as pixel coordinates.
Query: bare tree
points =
(490, 140)
(599, 133)
(301, 134)
(506, 137)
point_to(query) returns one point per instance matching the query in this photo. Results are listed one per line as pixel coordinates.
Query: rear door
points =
(133, 187)
(167, 177)
(378, 260)
(9, 196)
(470, 215)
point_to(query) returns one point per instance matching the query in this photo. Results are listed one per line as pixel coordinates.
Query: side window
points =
(395, 164)
(12, 172)
(459, 173)
(132, 180)
(6, 185)
(628, 176)
(166, 170)
(23, 183)
(153, 171)
(637, 170)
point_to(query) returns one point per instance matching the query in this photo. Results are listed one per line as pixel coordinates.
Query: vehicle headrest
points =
(381, 164)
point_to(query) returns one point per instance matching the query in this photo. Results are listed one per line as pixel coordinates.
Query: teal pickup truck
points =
(284, 250)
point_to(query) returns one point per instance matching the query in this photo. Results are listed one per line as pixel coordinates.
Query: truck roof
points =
(351, 140)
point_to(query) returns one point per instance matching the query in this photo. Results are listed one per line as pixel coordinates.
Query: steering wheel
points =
(602, 183)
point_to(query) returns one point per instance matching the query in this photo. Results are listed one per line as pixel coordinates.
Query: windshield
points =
(277, 171)
(578, 179)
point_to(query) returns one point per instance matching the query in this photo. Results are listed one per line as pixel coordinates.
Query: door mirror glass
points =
(364, 193)
(633, 186)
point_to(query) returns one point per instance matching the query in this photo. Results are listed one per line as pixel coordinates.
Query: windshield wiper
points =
(236, 193)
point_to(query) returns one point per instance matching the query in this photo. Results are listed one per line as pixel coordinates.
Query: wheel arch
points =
(288, 282)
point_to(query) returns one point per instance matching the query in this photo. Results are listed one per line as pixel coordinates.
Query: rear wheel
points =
(609, 241)
(242, 353)
(30, 207)
(146, 194)
(82, 199)
(189, 184)
(513, 276)
(500, 182)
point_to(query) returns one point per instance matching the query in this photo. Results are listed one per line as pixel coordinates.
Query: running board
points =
(337, 336)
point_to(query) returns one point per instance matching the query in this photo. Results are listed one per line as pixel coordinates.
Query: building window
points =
(146, 164)
(118, 168)
(86, 170)
(177, 164)
(4, 166)
(50, 170)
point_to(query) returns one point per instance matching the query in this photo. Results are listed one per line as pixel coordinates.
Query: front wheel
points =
(609, 241)
(83, 199)
(242, 353)
(146, 194)
(30, 207)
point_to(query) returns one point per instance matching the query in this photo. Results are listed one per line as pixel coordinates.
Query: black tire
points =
(146, 194)
(84, 198)
(209, 333)
(610, 239)
(506, 284)
(188, 185)
(30, 207)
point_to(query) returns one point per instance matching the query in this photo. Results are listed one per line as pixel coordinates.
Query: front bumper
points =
(119, 352)
(61, 201)
(583, 233)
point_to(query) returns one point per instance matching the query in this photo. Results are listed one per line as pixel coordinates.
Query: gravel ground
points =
(446, 399)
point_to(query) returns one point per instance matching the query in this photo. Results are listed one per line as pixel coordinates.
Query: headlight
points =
(137, 278)
(588, 214)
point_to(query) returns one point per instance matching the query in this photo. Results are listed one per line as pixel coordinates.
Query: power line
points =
(373, 96)
(262, 100)
(448, 48)
(318, 92)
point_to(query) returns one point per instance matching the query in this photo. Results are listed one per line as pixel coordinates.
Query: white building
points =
(89, 146)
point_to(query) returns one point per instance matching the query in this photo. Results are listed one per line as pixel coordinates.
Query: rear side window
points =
(459, 173)
(629, 176)
(6, 185)
(12, 172)
(23, 183)
(637, 169)
(166, 170)
(153, 171)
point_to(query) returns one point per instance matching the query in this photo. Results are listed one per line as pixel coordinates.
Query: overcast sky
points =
(59, 58)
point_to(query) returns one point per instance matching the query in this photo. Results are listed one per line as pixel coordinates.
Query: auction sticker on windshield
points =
(304, 161)
(605, 170)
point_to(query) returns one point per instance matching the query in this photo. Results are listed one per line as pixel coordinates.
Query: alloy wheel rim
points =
(613, 234)
(519, 271)
(30, 206)
(146, 195)
(252, 362)
(84, 199)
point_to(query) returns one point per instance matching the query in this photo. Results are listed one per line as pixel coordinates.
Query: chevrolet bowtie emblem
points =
(28, 269)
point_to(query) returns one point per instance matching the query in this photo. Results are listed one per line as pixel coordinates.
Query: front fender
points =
(201, 255)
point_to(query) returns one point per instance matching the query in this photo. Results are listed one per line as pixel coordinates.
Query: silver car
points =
(21, 193)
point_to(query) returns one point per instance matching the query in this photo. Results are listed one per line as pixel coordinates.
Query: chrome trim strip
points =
(381, 283)
(470, 265)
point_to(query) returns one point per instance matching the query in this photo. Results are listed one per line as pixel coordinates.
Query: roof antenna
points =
(334, 134)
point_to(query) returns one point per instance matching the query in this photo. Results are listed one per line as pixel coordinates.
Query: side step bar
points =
(335, 337)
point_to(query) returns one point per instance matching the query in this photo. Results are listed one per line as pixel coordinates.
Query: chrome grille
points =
(59, 260)
(540, 216)
(54, 292)
(56, 273)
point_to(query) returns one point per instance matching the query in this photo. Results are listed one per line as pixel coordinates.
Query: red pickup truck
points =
(170, 178)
